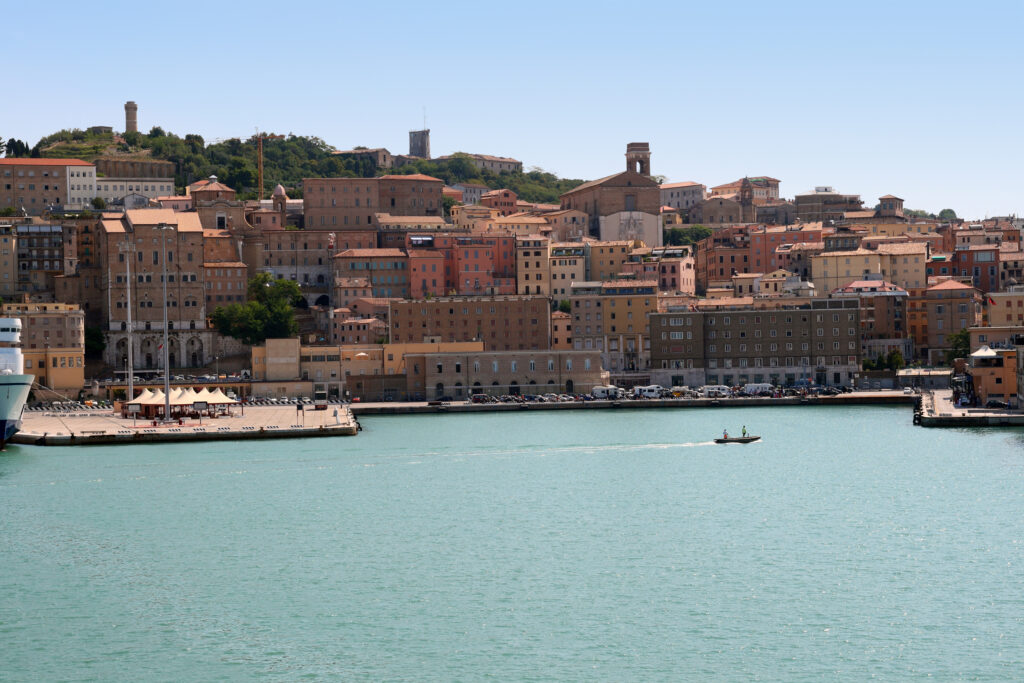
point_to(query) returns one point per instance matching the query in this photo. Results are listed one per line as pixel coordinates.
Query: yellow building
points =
(902, 264)
(568, 264)
(612, 317)
(605, 259)
(53, 343)
(533, 268)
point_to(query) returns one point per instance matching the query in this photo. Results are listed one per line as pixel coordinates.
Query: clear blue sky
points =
(918, 99)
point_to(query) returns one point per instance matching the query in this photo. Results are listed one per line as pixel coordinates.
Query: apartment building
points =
(37, 185)
(567, 264)
(152, 242)
(386, 269)
(533, 265)
(734, 342)
(949, 307)
(502, 323)
(53, 343)
(682, 195)
(612, 317)
(460, 375)
(338, 203)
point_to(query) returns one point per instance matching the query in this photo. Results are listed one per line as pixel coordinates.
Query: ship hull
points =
(14, 390)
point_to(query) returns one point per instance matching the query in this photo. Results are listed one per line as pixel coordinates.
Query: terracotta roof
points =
(890, 196)
(594, 183)
(949, 284)
(859, 214)
(225, 264)
(426, 253)
(413, 176)
(112, 225)
(363, 253)
(185, 222)
(903, 248)
(685, 183)
(213, 187)
(18, 161)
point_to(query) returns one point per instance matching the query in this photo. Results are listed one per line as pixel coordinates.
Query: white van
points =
(606, 392)
(716, 391)
(757, 388)
(652, 391)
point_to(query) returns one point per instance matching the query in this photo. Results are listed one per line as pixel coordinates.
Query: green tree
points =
(894, 361)
(269, 313)
(868, 364)
(448, 203)
(99, 203)
(947, 215)
(959, 345)
(690, 234)
(564, 306)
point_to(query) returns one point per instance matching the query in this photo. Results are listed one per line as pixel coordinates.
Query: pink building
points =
(426, 273)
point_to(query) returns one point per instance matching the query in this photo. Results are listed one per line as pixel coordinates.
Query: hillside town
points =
(413, 289)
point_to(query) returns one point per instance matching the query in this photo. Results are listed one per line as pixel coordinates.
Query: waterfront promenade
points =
(883, 397)
(255, 422)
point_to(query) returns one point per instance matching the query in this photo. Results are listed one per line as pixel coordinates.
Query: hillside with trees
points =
(286, 160)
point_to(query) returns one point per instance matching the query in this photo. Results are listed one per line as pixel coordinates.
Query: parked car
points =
(996, 403)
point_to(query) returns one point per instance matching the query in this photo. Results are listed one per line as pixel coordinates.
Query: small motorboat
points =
(739, 439)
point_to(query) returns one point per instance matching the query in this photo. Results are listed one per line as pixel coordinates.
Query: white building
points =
(682, 195)
(113, 190)
(631, 225)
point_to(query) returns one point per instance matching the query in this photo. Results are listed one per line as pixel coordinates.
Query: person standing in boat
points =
(725, 433)
(744, 431)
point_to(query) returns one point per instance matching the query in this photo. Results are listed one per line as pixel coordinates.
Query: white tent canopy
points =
(217, 396)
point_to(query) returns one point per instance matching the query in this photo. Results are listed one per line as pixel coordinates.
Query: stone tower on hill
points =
(131, 117)
(419, 143)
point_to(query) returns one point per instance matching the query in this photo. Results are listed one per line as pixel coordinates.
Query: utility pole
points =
(260, 137)
(163, 227)
(128, 248)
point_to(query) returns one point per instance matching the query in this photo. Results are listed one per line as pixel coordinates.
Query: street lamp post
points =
(128, 249)
(167, 367)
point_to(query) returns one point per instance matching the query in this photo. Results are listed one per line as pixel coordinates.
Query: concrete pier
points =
(938, 410)
(258, 422)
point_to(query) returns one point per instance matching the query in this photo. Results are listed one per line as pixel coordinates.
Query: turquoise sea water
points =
(579, 546)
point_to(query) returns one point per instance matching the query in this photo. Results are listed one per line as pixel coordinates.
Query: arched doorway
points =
(514, 388)
(194, 351)
(323, 300)
(569, 386)
(439, 390)
(302, 304)
(458, 389)
(477, 389)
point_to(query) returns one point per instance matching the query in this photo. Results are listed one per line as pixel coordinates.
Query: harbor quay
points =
(254, 422)
(938, 409)
(883, 397)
